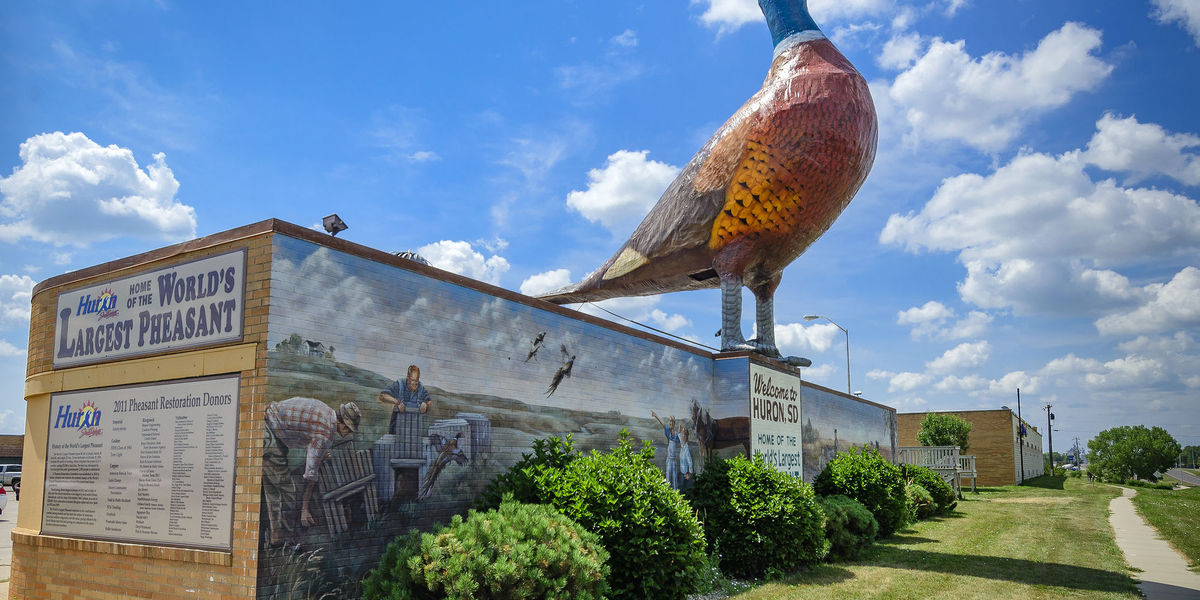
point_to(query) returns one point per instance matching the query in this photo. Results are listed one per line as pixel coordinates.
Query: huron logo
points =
(105, 304)
(86, 419)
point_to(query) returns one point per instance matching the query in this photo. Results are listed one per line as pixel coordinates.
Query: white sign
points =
(775, 426)
(198, 303)
(148, 464)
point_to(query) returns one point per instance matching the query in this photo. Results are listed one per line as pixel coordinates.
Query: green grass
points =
(1173, 514)
(1047, 539)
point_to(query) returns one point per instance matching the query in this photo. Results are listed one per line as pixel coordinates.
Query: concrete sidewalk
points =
(1164, 575)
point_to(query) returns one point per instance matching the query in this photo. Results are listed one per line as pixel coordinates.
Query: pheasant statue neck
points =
(789, 21)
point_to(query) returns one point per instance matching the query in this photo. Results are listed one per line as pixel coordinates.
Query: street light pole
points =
(845, 331)
(1050, 433)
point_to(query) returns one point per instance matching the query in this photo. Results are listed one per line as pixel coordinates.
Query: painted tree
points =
(1125, 452)
(939, 429)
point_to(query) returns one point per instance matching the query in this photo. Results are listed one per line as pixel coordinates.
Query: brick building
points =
(994, 441)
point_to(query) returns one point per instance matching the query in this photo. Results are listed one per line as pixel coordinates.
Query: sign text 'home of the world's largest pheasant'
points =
(199, 303)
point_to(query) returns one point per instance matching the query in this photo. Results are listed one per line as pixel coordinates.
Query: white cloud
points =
(819, 373)
(973, 325)
(730, 15)
(962, 356)
(640, 309)
(1143, 149)
(954, 383)
(1040, 236)
(796, 338)
(900, 51)
(627, 39)
(7, 349)
(423, 156)
(70, 190)
(985, 102)
(931, 311)
(544, 282)
(1125, 372)
(16, 293)
(904, 382)
(668, 322)
(1185, 12)
(1175, 304)
(932, 320)
(622, 192)
(459, 257)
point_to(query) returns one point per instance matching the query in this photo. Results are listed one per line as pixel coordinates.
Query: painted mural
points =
(834, 423)
(394, 398)
(418, 392)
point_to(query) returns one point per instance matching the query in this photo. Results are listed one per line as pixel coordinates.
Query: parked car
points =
(3, 499)
(10, 474)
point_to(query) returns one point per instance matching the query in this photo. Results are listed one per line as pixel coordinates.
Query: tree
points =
(1125, 452)
(1187, 457)
(939, 429)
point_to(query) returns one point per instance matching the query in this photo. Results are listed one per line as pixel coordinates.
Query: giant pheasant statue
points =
(767, 184)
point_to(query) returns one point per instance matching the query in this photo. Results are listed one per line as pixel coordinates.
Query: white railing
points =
(945, 460)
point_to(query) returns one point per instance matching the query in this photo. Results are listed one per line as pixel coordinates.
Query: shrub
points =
(1148, 485)
(519, 480)
(1075, 474)
(516, 551)
(920, 504)
(654, 540)
(866, 476)
(765, 522)
(943, 494)
(849, 526)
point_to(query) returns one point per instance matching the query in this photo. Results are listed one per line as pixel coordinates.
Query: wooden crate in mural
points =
(481, 433)
(347, 476)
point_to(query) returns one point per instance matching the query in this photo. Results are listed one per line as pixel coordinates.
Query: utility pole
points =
(1050, 433)
(1021, 435)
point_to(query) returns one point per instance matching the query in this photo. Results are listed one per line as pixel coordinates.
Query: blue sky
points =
(1031, 220)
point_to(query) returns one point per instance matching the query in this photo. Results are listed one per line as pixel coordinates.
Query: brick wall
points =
(47, 566)
(993, 441)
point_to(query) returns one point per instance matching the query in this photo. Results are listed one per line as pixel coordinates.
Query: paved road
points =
(1164, 574)
(1184, 476)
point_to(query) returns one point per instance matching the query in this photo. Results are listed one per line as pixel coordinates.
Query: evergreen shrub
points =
(866, 476)
(943, 494)
(763, 521)
(655, 542)
(520, 481)
(920, 503)
(849, 526)
(515, 551)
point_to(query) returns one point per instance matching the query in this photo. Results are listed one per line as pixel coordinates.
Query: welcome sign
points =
(775, 426)
(198, 303)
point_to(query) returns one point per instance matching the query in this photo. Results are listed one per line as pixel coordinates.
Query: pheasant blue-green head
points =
(786, 18)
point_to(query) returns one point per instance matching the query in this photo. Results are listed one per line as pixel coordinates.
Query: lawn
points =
(1050, 539)
(1173, 514)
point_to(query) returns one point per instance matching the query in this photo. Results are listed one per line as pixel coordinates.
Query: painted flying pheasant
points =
(767, 184)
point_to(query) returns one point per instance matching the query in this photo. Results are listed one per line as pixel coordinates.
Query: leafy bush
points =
(1149, 485)
(920, 504)
(519, 480)
(516, 551)
(764, 521)
(866, 476)
(849, 526)
(654, 540)
(1075, 474)
(943, 494)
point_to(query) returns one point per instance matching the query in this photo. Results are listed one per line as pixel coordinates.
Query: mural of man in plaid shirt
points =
(298, 423)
